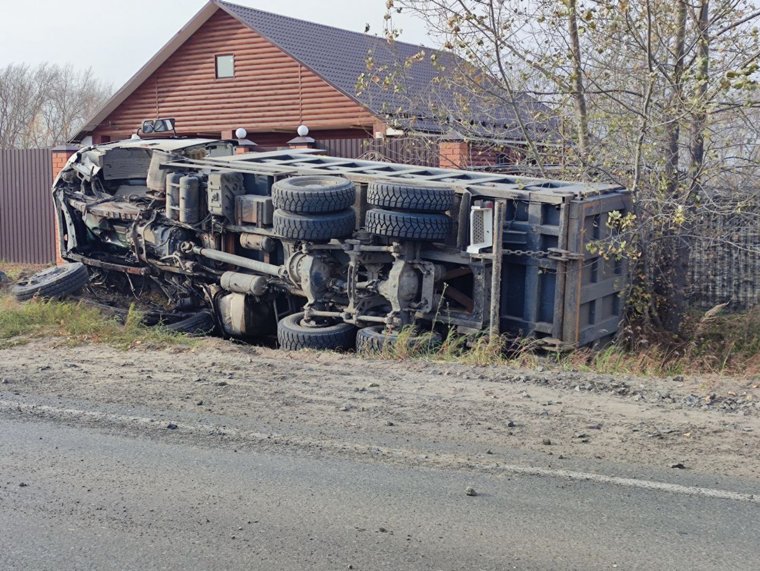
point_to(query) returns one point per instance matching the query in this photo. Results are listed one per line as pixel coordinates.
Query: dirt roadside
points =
(709, 425)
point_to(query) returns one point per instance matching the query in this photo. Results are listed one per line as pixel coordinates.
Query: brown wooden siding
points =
(26, 207)
(280, 139)
(270, 90)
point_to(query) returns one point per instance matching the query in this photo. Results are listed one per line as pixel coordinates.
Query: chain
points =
(528, 253)
(553, 253)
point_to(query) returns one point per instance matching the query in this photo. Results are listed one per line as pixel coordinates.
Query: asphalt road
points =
(81, 498)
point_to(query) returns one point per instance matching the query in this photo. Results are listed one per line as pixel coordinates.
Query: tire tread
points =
(305, 200)
(314, 227)
(408, 225)
(414, 198)
(293, 337)
(74, 278)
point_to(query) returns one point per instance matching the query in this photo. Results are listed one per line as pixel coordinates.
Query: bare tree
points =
(660, 97)
(44, 106)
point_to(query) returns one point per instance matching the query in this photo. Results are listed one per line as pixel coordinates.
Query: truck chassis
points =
(331, 252)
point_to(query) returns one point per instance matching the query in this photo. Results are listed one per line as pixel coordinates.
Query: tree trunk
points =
(674, 262)
(699, 122)
(579, 93)
(681, 253)
(676, 103)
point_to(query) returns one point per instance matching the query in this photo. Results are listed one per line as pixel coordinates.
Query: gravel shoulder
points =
(459, 414)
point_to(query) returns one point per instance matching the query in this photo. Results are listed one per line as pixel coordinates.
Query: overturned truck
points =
(331, 252)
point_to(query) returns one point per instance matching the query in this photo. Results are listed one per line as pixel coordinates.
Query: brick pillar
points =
(453, 154)
(302, 143)
(245, 146)
(59, 156)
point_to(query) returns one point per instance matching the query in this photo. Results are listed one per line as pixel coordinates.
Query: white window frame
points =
(216, 66)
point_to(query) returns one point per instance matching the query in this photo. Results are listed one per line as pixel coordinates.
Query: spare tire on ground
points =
(404, 197)
(55, 282)
(294, 334)
(313, 194)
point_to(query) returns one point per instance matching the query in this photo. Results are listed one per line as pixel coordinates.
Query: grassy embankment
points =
(726, 344)
(72, 322)
(711, 343)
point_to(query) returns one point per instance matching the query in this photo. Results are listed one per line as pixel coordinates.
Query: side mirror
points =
(150, 126)
(163, 125)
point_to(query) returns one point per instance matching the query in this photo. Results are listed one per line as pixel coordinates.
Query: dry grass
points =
(715, 343)
(712, 343)
(75, 323)
(455, 348)
(16, 271)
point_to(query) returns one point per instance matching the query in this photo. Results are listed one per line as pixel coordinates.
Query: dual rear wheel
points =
(318, 209)
(295, 333)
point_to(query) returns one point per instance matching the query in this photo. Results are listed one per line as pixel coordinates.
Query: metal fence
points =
(725, 256)
(410, 150)
(27, 230)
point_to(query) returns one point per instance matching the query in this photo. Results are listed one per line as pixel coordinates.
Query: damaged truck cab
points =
(331, 252)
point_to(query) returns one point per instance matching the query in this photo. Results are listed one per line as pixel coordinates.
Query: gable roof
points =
(422, 102)
(340, 58)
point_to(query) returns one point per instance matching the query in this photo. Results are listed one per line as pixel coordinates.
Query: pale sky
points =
(116, 37)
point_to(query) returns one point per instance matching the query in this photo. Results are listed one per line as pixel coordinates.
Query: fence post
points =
(59, 156)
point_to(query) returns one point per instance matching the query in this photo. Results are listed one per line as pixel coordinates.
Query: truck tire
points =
(58, 281)
(408, 225)
(293, 335)
(314, 227)
(374, 339)
(201, 323)
(313, 194)
(403, 197)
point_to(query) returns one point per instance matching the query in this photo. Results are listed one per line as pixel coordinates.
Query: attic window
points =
(225, 66)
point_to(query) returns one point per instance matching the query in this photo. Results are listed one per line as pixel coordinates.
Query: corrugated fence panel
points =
(27, 227)
(725, 258)
(413, 151)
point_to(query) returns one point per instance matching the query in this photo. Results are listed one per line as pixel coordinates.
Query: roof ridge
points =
(223, 3)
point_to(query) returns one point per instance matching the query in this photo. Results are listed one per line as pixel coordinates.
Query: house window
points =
(225, 66)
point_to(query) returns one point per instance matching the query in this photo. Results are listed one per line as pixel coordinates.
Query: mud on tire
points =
(293, 334)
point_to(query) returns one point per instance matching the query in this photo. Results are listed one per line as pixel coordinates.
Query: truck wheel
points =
(402, 197)
(58, 281)
(375, 338)
(201, 323)
(314, 227)
(313, 194)
(408, 225)
(293, 334)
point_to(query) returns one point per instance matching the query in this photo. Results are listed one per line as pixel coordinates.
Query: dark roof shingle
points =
(421, 101)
